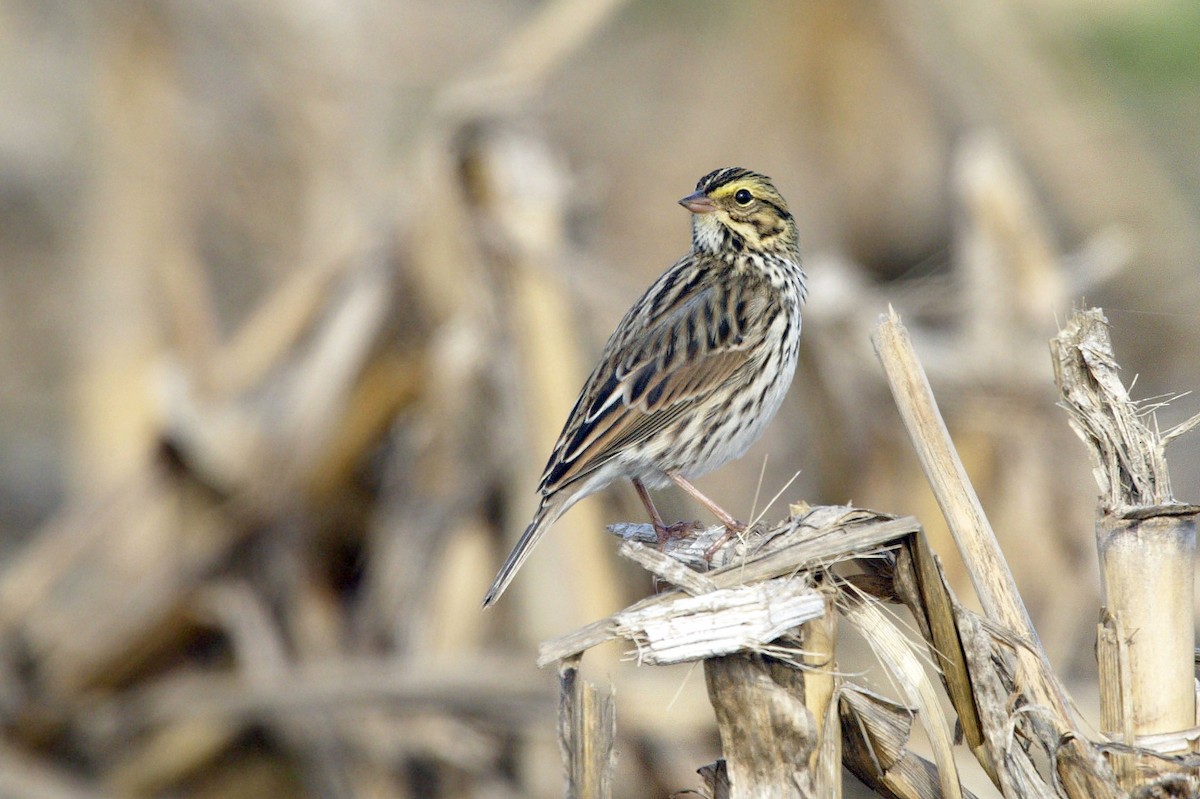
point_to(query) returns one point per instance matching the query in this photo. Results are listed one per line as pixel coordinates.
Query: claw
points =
(736, 529)
(666, 532)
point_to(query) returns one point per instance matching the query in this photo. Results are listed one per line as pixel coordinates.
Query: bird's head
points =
(738, 210)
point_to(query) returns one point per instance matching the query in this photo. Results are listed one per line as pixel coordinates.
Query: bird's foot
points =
(732, 530)
(667, 532)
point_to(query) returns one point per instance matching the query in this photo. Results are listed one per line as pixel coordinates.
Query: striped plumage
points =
(696, 368)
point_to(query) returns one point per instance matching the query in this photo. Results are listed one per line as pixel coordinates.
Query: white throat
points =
(707, 233)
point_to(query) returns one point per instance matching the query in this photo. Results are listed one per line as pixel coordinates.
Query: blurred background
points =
(295, 296)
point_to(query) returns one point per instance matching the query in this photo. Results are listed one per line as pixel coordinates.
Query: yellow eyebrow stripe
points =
(731, 188)
(758, 187)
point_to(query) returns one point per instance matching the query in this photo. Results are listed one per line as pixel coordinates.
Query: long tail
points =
(547, 514)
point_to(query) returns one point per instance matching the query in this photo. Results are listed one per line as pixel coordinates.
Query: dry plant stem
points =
(587, 728)
(990, 673)
(666, 568)
(530, 56)
(951, 487)
(897, 654)
(499, 688)
(875, 732)
(716, 780)
(830, 544)
(521, 214)
(933, 606)
(747, 618)
(89, 627)
(1083, 771)
(1147, 547)
(977, 660)
(767, 733)
(22, 775)
(1146, 569)
(780, 731)
(819, 638)
(964, 515)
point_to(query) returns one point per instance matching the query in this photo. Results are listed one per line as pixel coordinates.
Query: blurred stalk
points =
(133, 233)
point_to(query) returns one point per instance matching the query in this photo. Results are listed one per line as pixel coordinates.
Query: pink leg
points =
(644, 496)
(716, 510)
(662, 530)
(732, 525)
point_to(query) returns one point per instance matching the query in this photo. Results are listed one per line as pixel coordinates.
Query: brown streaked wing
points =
(654, 374)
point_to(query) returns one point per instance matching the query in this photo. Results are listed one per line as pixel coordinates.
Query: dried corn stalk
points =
(1147, 547)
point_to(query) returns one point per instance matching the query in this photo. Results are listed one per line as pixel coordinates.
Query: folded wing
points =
(685, 338)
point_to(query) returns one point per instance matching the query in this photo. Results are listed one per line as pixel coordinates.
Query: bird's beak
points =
(698, 203)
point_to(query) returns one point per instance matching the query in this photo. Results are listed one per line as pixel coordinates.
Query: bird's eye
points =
(743, 197)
